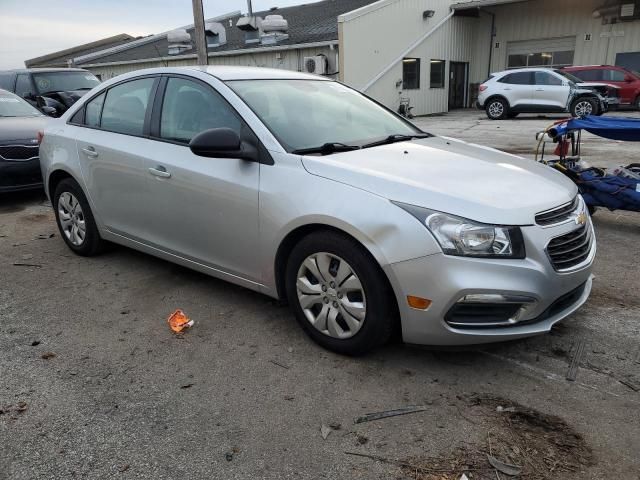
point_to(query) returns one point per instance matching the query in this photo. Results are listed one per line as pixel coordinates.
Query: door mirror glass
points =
(222, 143)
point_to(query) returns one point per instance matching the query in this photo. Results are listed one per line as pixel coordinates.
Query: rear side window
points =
(125, 107)
(7, 81)
(190, 108)
(93, 110)
(24, 88)
(518, 78)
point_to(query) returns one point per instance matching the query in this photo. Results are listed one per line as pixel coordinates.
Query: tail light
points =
(483, 88)
(40, 136)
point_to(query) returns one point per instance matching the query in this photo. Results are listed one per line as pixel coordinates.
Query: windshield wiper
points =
(327, 149)
(396, 137)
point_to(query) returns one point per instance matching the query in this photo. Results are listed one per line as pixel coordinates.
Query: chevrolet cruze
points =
(303, 189)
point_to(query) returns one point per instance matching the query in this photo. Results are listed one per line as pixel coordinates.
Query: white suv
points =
(539, 90)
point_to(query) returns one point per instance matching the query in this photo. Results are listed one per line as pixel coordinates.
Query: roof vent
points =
(274, 29)
(179, 41)
(216, 34)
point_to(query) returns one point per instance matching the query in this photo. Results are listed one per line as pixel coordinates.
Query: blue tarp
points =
(614, 128)
(615, 193)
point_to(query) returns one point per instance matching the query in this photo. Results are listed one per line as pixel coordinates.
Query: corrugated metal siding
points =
(289, 60)
(546, 19)
(372, 41)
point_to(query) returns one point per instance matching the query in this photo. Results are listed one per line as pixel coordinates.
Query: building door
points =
(458, 73)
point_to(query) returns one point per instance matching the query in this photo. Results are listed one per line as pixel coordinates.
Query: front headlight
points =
(463, 237)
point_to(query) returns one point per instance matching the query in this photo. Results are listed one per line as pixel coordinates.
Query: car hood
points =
(451, 176)
(20, 128)
(596, 84)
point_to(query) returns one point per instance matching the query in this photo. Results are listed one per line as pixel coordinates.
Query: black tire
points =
(579, 105)
(636, 103)
(92, 243)
(592, 210)
(497, 109)
(378, 323)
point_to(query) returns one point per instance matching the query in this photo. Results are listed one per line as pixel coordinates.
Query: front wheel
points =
(497, 109)
(339, 294)
(583, 107)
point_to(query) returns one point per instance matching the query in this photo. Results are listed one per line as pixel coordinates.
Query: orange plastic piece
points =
(178, 321)
(418, 302)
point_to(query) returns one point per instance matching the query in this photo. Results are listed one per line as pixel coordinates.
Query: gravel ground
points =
(93, 384)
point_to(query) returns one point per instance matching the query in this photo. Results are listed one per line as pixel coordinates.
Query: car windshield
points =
(571, 77)
(310, 114)
(13, 106)
(47, 82)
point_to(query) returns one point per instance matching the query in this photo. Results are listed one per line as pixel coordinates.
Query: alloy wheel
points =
(583, 108)
(72, 219)
(331, 295)
(496, 109)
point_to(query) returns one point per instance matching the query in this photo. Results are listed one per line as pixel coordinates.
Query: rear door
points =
(517, 88)
(112, 149)
(204, 209)
(550, 90)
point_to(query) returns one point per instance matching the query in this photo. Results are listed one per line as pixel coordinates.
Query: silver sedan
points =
(303, 189)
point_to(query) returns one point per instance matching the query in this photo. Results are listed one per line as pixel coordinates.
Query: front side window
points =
(410, 73)
(309, 113)
(7, 81)
(50, 82)
(544, 78)
(24, 88)
(437, 74)
(190, 108)
(125, 107)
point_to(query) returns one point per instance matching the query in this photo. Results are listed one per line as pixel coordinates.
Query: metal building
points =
(435, 52)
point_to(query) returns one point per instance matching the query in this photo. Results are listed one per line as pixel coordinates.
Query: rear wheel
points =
(339, 294)
(582, 107)
(636, 103)
(75, 220)
(497, 109)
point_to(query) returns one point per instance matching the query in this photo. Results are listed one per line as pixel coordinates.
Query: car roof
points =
(42, 70)
(528, 69)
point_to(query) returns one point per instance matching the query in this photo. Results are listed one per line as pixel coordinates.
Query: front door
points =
(204, 209)
(458, 74)
(551, 91)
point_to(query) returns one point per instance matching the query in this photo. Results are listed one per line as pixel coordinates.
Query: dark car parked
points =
(19, 158)
(51, 90)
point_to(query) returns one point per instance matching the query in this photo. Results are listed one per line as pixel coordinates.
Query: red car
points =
(627, 80)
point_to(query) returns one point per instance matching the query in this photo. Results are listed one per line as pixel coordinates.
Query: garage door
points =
(550, 52)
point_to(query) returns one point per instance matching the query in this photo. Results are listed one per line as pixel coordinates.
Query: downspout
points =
(491, 37)
(407, 51)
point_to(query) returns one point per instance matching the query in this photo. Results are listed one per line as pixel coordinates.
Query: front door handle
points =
(540, 89)
(159, 171)
(90, 152)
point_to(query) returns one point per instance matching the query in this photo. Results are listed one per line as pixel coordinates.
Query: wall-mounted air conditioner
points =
(316, 65)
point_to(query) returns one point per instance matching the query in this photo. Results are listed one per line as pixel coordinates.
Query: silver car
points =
(303, 189)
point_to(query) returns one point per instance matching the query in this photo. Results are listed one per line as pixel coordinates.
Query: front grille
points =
(570, 249)
(558, 214)
(18, 152)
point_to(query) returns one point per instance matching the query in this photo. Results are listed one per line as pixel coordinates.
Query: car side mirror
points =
(52, 112)
(222, 143)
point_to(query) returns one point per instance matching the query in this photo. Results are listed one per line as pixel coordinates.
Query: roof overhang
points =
(466, 5)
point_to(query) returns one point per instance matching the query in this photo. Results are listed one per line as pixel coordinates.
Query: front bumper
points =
(446, 279)
(20, 175)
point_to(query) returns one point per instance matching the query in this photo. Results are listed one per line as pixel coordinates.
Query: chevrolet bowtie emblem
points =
(581, 219)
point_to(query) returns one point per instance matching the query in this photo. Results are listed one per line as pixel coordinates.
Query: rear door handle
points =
(90, 152)
(159, 171)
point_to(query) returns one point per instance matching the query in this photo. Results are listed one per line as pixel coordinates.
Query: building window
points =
(541, 59)
(411, 73)
(437, 74)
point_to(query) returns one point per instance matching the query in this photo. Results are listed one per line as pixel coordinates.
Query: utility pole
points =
(201, 41)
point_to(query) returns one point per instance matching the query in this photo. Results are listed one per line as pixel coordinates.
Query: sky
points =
(31, 28)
